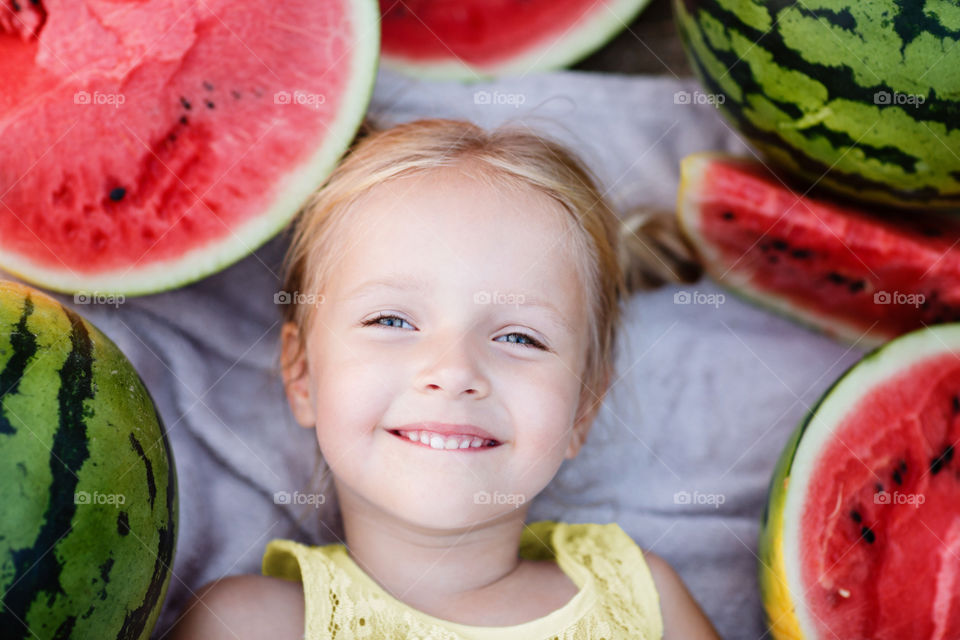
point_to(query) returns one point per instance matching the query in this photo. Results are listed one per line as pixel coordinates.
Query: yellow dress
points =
(617, 598)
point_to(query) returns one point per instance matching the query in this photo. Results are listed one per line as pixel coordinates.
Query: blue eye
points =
(383, 316)
(531, 342)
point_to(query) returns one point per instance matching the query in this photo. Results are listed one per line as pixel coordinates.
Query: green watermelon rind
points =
(805, 445)
(250, 236)
(826, 131)
(570, 47)
(119, 394)
(688, 213)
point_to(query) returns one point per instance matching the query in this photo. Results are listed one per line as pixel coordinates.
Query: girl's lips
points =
(433, 440)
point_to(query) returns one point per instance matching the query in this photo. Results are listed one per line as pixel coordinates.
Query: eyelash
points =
(534, 343)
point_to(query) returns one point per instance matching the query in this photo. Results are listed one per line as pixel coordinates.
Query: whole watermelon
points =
(87, 480)
(860, 97)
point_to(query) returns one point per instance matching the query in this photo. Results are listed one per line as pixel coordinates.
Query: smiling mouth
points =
(448, 442)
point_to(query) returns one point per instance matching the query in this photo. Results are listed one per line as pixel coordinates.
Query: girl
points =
(457, 300)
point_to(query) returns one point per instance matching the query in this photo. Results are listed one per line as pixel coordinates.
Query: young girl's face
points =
(467, 281)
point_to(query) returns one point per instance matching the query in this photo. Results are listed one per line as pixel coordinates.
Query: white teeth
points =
(436, 441)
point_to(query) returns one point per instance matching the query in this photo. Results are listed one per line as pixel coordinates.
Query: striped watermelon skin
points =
(87, 481)
(862, 98)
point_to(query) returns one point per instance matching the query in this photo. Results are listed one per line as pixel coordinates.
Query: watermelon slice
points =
(113, 174)
(471, 40)
(861, 537)
(851, 273)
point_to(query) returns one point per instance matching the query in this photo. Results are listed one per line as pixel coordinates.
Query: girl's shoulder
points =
(241, 607)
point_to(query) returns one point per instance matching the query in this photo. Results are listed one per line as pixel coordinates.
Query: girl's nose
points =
(452, 366)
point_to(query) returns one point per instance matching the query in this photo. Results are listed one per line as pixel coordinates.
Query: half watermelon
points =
(861, 536)
(858, 275)
(149, 144)
(476, 39)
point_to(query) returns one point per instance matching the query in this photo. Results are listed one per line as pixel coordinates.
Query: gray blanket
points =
(682, 451)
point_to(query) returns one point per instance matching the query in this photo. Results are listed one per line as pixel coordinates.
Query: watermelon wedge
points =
(854, 274)
(476, 39)
(861, 536)
(114, 175)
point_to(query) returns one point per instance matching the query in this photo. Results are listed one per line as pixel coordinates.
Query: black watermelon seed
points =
(16, 7)
(801, 254)
(209, 104)
(868, 534)
(117, 194)
(856, 516)
(956, 404)
(937, 464)
(185, 103)
(207, 85)
(857, 285)
(903, 465)
(183, 120)
(838, 278)
(779, 245)
(897, 477)
(728, 215)
(878, 487)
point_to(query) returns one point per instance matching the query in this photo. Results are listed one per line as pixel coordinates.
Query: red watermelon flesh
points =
(471, 38)
(147, 144)
(880, 523)
(860, 275)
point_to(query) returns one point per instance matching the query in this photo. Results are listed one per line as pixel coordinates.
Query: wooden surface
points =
(649, 45)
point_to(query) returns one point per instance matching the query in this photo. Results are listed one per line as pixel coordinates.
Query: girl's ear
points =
(296, 376)
(586, 414)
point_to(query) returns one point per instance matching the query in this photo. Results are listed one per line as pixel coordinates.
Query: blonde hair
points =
(615, 257)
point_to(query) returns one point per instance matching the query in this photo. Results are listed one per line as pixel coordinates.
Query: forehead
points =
(448, 228)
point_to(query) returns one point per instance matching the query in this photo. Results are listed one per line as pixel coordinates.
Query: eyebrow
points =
(420, 286)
